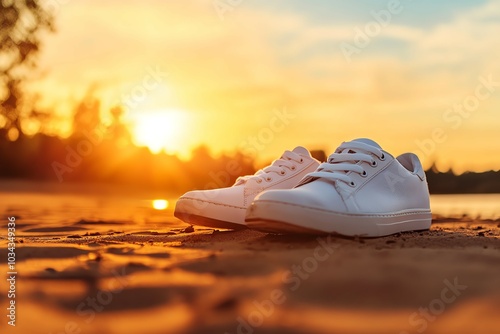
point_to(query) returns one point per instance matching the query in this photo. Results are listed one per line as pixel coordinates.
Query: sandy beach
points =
(359, 118)
(81, 273)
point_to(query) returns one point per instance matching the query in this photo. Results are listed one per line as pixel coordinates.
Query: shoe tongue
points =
(367, 141)
(301, 151)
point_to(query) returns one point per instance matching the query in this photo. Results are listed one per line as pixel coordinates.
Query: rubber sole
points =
(209, 222)
(279, 217)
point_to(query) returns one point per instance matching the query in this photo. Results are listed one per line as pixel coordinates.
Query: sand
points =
(80, 274)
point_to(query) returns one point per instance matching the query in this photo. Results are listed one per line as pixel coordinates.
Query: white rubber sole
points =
(204, 213)
(279, 217)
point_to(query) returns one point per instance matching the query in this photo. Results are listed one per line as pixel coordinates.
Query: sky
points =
(414, 75)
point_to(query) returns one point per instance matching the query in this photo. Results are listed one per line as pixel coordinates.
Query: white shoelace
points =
(287, 160)
(345, 159)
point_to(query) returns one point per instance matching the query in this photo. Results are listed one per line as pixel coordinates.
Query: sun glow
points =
(159, 204)
(160, 130)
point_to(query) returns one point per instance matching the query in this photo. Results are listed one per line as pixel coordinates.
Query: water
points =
(486, 206)
(49, 207)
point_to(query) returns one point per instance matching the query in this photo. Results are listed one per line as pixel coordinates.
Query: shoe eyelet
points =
(382, 158)
(293, 167)
(259, 180)
(352, 184)
(374, 163)
(364, 174)
(301, 160)
(268, 179)
(283, 172)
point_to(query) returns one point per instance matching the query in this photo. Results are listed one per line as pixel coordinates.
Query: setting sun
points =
(159, 204)
(160, 130)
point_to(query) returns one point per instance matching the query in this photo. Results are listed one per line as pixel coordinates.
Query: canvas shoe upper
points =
(226, 207)
(361, 190)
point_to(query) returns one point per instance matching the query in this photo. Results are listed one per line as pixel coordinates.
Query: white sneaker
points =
(361, 191)
(226, 207)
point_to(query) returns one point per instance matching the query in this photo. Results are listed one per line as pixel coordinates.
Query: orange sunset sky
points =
(217, 72)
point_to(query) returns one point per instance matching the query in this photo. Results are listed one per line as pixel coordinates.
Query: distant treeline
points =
(468, 182)
(94, 157)
(82, 160)
(101, 153)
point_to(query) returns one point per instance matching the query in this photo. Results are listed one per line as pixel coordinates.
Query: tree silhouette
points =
(87, 116)
(21, 23)
(118, 131)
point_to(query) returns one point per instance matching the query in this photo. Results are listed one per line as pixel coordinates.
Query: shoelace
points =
(287, 160)
(345, 159)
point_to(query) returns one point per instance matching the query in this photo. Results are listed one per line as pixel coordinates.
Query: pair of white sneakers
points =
(361, 190)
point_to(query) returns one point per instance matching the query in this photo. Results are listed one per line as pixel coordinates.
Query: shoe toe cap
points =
(304, 196)
(226, 196)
